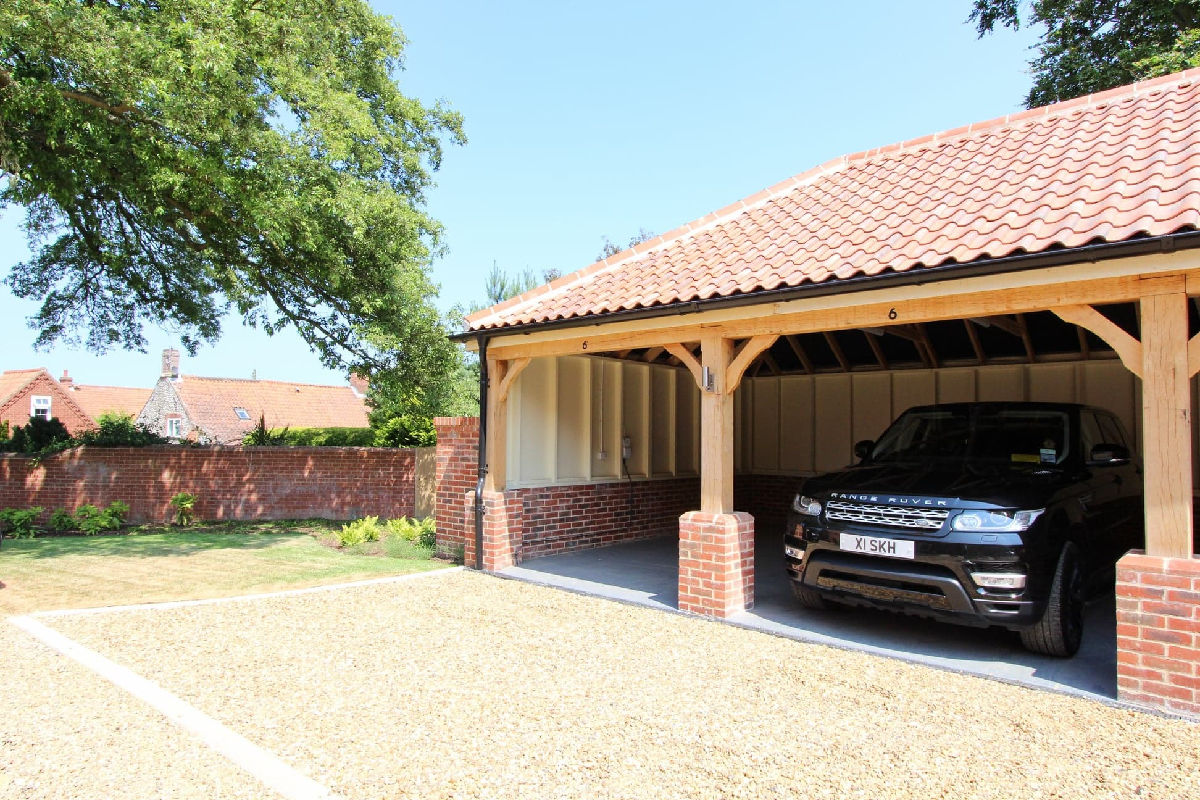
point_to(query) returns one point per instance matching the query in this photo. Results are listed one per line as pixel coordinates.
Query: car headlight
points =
(995, 521)
(803, 504)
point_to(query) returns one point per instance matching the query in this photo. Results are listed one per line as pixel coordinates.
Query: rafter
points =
(798, 349)
(934, 361)
(832, 341)
(976, 345)
(652, 354)
(1026, 339)
(876, 348)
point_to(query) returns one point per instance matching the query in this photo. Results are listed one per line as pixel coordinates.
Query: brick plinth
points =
(456, 472)
(716, 563)
(1158, 632)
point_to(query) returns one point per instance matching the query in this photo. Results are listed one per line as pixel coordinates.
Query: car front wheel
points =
(807, 597)
(1060, 629)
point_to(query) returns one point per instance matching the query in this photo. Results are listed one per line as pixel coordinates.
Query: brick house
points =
(224, 410)
(26, 393)
(684, 384)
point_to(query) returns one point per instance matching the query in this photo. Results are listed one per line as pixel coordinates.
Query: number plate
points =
(874, 546)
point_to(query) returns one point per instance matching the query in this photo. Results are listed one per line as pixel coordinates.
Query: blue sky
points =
(594, 120)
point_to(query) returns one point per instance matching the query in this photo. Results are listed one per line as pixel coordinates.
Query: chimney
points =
(359, 384)
(66, 380)
(170, 364)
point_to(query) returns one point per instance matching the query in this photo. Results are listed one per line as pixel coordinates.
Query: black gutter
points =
(483, 392)
(971, 269)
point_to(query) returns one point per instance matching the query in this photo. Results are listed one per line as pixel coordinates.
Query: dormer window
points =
(241, 412)
(39, 407)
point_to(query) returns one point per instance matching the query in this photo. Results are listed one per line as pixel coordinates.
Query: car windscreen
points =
(985, 435)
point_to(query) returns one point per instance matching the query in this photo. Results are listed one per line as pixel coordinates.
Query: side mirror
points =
(1106, 454)
(862, 450)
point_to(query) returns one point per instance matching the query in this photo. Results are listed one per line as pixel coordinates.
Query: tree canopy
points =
(1091, 45)
(183, 159)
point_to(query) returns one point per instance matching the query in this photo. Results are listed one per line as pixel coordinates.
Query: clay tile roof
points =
(1109, 167)
(211, 402)
(14, 380)
(97, 400)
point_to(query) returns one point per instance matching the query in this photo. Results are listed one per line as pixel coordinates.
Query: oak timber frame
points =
(730, 338)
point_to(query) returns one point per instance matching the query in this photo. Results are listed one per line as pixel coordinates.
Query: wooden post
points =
(716, 427)
(497, 427)
(1167, 425)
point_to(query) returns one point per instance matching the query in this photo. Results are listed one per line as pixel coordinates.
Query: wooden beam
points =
(976, 344)
(798, 349)
(1166, 426)
(837, 351)
(953, 300)
(934, 361)
(1127, 348)
(652, 354)
(1193, 353)
(1085, 349)
(877, 349)
(748, 352)
(771, 363)
(1007, 324)
(689, 361)
(510, 372)
(496, 446)
(716, 426)
(1026, 339)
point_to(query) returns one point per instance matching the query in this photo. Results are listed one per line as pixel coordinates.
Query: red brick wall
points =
(1158, 632)
(556, 519)
(716, 563)
(766, 497)
(231, 483)
(456, 473)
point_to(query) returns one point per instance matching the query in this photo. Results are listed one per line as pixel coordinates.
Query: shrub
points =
(119, 430)
(406, 431)
(420, 532)
(92, 520)
(37, 436)
(184, 504)
(19, 523)
(360, 531)
(62, 520)
(261, 436)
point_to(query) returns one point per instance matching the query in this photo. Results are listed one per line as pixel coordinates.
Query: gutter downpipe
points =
(483, 400)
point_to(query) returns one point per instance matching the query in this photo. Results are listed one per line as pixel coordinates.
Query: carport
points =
(993, 260)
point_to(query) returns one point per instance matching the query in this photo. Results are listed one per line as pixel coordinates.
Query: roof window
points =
(241, 412)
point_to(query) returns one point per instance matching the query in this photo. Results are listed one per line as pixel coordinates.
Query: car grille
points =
(928, 519)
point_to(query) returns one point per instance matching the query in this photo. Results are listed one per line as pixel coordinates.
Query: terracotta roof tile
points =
(210, 403)
(1105, 168)
(97, 400)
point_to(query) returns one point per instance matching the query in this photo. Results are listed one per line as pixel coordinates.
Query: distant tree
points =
(611, 248)
(1091, 45)
(179, 159)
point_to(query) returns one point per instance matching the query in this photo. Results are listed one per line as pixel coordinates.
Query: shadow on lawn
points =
(142, 545)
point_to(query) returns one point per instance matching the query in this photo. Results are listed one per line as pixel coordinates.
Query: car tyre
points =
(808, 598)
(1060, 630)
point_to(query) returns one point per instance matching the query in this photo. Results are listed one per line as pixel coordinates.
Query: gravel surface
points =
(462, 685)
(65, 733)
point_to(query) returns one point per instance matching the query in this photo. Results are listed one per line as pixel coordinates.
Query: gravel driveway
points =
(461, 685)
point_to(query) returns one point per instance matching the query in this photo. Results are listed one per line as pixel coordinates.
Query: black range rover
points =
(1001, 514)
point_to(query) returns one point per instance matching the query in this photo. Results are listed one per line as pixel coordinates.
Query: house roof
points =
(97, 400)
(210, 404)
(13, 381)
(1105, 168)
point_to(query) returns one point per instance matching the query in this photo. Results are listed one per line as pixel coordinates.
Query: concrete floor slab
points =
(645, 573)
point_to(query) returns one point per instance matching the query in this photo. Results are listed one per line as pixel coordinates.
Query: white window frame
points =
(40, 402)
(174, 427)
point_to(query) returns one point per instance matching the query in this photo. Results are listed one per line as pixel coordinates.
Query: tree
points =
(179, 159)
(1091, 45)
(611, 248)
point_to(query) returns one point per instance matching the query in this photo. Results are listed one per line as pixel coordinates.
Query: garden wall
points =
(232, 483)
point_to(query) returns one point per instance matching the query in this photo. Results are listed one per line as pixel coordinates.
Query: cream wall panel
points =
(537, 385)
(635, 392)
(833, 399)
(1001, 383)
(574, 419)
(606, 418)
(798, 423)
(766, 425)
(1053, 383)
(662, 422)
(1108, 384)
(872, 395)
(916, 388)
(687, 424)
(956, 385)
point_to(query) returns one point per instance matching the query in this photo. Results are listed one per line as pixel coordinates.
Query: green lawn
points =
(145, 567)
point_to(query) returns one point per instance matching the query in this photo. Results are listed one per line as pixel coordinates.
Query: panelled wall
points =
(808, 424)
(567, 417)
(564, 412)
